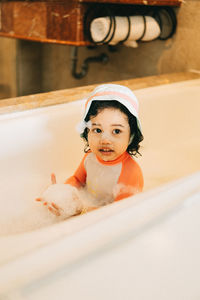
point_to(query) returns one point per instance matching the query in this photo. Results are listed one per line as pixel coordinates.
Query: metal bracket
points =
(102, 58)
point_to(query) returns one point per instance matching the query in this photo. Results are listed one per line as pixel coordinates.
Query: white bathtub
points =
(37, 142)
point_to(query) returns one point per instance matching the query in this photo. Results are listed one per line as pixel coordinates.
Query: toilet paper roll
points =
(99, 29)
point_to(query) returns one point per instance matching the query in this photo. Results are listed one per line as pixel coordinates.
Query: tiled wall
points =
(46, 67)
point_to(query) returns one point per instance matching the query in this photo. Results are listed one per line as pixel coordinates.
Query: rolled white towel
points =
(131, 43)
(99, 29)
(152, 29)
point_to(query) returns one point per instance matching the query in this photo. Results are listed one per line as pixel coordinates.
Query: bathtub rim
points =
(21, 103)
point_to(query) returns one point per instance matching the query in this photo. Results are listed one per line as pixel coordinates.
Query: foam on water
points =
(19, 210)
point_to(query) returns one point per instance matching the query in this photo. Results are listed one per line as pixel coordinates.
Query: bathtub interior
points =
(37, 142)
(152, 243)
(170, 120)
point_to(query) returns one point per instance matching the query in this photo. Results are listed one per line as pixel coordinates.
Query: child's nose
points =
(105, 138)
(105, 141)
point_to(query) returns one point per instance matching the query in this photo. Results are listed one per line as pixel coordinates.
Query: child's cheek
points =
(92, 141)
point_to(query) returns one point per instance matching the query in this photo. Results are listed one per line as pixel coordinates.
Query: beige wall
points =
(7, 67)
(46, 67)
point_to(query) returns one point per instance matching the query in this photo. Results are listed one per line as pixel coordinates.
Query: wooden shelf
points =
(138, 2)
(55, 21)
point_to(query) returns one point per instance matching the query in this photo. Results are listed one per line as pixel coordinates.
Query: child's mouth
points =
(106, 151)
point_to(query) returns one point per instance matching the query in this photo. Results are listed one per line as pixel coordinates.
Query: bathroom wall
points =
(8, 87)
(31, 67)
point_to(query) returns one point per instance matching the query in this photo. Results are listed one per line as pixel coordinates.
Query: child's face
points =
(109, 134)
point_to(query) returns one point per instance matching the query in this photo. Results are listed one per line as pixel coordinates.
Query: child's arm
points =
(79, 178)
(130, 181)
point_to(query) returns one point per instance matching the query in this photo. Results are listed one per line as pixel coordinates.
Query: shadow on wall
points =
(51, 68)
(47, 67)
(5, 91)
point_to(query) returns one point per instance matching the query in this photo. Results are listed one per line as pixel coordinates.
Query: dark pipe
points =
(85, 66)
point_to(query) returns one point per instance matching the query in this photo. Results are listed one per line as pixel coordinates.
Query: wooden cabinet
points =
(56, 21)
(139, 2)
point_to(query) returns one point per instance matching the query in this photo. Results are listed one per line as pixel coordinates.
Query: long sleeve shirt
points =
(108, 181)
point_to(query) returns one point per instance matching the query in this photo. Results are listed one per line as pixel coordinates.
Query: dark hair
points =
(97, 106)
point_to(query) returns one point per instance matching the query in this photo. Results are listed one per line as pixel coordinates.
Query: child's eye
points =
(116, 131)
(96, 130)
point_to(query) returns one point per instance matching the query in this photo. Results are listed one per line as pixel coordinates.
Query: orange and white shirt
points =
(108, 181)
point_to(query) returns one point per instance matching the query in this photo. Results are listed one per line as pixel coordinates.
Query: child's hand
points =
(87, 209)
(61, 199)
(52, 207)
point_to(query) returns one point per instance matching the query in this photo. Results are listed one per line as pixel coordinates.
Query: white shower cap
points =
(111, 92)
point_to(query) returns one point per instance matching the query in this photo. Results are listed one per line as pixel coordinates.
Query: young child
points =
(108, 172)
